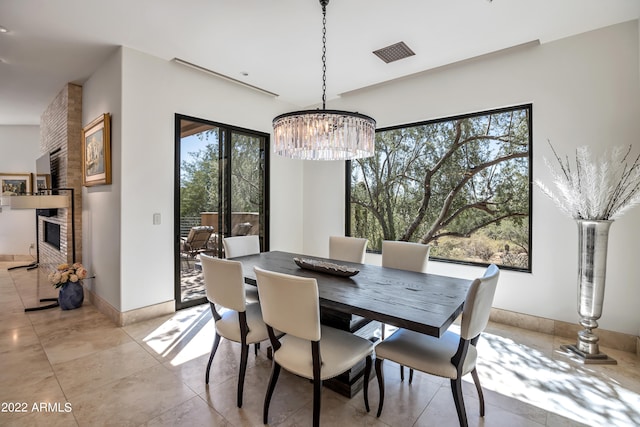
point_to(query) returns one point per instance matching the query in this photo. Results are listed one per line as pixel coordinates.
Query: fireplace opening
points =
(52, 234)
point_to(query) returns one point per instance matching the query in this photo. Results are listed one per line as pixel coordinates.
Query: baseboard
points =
(149, 312)
(17, 258)
(132, 316)
(610, 339)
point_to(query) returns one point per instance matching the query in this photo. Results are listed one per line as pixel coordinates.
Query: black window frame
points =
(529, 108)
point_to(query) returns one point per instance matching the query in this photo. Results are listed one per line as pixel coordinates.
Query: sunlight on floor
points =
(565, 388)
(186, 336)
(550, 381)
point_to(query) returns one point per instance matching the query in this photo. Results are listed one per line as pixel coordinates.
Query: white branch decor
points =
(595, 189)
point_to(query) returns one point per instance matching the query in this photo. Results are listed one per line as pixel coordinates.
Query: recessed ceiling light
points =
(3, 29)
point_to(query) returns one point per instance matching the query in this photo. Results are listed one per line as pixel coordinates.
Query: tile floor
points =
(89, 372)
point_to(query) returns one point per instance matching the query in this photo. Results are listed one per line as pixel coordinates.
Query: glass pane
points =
(246, 185)
(221, 186)
(199, 177)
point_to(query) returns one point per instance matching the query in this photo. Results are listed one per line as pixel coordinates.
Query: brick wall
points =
(61, 135)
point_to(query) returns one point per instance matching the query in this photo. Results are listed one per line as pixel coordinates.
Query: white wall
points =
(585, 90)
(153, 90)
(20, 147)
(101, 217)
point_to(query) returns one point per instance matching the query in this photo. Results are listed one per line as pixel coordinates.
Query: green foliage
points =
(449, 178)
(493, 244)
(201, 172)
(199, 182)
(246, 173)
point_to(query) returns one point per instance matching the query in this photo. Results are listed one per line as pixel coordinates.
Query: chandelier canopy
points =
(324, 134)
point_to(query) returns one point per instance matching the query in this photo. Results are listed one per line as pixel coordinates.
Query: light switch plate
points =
(156, 219)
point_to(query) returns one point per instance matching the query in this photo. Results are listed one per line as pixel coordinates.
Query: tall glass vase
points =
(593, 239)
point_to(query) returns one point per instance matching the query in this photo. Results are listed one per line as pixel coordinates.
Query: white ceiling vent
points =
(394, 52)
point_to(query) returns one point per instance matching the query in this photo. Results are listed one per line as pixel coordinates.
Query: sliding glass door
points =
(221, 190)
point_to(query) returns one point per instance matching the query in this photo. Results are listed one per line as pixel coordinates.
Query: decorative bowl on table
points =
(326, 267)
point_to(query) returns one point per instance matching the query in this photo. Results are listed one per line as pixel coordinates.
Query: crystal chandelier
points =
(324, 134)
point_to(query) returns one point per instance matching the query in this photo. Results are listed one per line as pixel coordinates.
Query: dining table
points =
(422, 302)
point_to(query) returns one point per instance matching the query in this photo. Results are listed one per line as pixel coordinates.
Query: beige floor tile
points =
(152, 373)
(17, 338)
(44, 389)
(193, 412)
(441, 412)
(77, 343)
(24, 365)
(555, 420)
(290, 395)
(183, 336)
(133, 400)
(403, 402)
(50, 322)
(333, 412)
(49, 417)
(85, 374)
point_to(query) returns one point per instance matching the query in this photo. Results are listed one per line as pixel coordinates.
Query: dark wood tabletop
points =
(425, 303)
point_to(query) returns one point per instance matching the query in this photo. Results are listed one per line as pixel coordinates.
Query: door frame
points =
(225, 153)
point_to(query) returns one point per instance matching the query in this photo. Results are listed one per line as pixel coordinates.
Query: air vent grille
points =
(394, 52)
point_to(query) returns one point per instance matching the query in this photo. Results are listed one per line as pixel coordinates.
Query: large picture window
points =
(461, 184)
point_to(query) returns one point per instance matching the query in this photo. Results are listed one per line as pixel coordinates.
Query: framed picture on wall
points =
(15, 183)
(43, 182)
(96, 152)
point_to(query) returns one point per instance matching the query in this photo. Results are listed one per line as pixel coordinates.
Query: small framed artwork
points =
(15, 183)
(43, 182)
(96, 152)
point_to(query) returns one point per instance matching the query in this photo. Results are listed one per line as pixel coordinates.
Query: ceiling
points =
(272, 44)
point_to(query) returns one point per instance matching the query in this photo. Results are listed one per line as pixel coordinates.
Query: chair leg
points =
(244, 355)
(402, 374)
(317, 399)
(275, 372)
(476, 381)
(256, 347)
(216, 341)
(456, 389)
(365, 390)
(380, 384)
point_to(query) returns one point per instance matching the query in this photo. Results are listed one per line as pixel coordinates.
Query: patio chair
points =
(195, 242)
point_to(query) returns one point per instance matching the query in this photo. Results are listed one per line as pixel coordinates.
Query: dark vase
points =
(71, 296)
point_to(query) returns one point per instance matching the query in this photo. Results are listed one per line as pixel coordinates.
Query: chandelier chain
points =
(324, 55)
(326, 134)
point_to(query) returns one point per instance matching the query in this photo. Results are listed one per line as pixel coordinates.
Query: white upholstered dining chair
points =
(238, 246)
(346, 248)
(241, 322)
(404, 256)
(450, 356)
(307, 348)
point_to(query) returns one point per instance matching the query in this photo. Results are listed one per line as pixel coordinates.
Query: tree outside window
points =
(461, 184)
